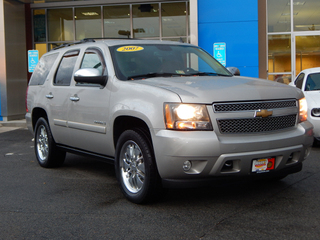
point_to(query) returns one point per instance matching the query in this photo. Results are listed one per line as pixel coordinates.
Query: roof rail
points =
(85, 40)
(111, 38)
(70, 44)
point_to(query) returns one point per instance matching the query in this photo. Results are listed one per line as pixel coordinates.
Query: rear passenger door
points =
(58, 97)
(88, 112)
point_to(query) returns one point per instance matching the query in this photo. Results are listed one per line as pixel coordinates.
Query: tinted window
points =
(150, 60)
(66, 67)
(42, 69)
(313, 82)
(299, 81)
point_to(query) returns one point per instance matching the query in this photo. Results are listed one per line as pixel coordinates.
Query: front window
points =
(313, 82)
(159, 60)
(92, 59)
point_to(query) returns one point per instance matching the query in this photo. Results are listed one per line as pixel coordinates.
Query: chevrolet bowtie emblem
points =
(263, 113)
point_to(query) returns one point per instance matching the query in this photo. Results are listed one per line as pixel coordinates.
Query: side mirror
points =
(234, 70)
(90, 76)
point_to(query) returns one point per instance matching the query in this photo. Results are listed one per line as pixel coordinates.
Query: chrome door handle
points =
(49, 96)
(75, 98)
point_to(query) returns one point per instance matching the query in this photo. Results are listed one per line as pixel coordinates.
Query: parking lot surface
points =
(82, 200)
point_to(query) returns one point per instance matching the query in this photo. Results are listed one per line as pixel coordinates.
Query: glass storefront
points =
(60, 24)
(307, 52)
(88, 22)
(164, 21)
(117, 22)
(146, 21)
(293, 38)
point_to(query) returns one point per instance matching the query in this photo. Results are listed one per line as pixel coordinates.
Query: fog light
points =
(315, 112)
(187, 166)
(228, 164)
(307, 152)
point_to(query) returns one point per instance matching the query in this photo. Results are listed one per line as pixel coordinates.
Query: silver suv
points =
(165, 113)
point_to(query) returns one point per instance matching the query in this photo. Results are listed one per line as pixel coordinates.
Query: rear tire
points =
(135, 167)
(48, 155)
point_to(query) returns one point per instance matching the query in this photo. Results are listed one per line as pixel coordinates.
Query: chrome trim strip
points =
(87, 127)
(59, 122)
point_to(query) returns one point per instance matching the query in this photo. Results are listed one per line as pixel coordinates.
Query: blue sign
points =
(33, 59)
(219, 52)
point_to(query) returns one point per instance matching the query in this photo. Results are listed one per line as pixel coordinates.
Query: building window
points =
(174, 18)
(88, 22)
(293, 38)
(60, 24)
(39, 25)
(56, 26)
(146, 21)
(279, 16)
(279, 59)
(306, 15)
(116, 21)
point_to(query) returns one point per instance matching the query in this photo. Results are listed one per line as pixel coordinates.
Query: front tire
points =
(135, 167)
(48, 155)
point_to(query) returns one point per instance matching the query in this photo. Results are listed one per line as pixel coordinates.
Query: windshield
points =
(160, 60)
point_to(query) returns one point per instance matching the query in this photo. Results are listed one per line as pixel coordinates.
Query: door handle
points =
(49, 96)
(75, 98)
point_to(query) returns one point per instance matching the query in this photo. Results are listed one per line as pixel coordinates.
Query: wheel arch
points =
(123, 123)
(38, 113)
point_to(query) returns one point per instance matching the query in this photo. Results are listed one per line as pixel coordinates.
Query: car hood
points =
(313, 98)
(209, 89)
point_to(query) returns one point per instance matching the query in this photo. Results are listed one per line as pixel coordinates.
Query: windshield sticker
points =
(130, 49)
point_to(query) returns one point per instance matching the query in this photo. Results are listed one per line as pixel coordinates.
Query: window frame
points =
(104, 71)
(70, 53)
(299, 79)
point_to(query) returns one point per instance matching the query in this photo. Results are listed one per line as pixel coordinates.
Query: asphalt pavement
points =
(82, 200)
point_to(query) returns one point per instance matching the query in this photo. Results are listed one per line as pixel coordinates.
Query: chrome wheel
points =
(47, 153)
(135, 166)
(42, 143)
(132, 166)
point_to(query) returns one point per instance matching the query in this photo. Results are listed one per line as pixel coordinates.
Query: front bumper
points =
(190, 183)
(316, 126)
(209, 152)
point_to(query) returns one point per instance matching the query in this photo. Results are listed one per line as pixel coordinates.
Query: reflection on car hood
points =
(208, 89)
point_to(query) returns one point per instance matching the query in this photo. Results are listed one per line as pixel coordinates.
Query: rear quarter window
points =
(42, 69)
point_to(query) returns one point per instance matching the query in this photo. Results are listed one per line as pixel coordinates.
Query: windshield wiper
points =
(206, 74)
(151, 75)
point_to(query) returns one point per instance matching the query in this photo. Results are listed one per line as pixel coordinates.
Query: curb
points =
(15, 123)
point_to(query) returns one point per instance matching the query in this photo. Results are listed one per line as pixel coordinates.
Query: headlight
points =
(303, 108)
(315, 112)
(187, 117)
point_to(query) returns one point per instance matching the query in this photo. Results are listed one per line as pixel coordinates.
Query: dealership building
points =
(270, 39)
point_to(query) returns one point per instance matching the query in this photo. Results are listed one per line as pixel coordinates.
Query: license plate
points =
(263, 165)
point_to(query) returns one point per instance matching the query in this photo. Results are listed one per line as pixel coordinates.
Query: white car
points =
(308, 81)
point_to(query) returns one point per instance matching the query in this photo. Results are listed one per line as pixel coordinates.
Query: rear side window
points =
(65, 69)
(42, 69)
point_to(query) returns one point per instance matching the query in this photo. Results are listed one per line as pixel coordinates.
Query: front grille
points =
(254, 125)
(251, 106)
